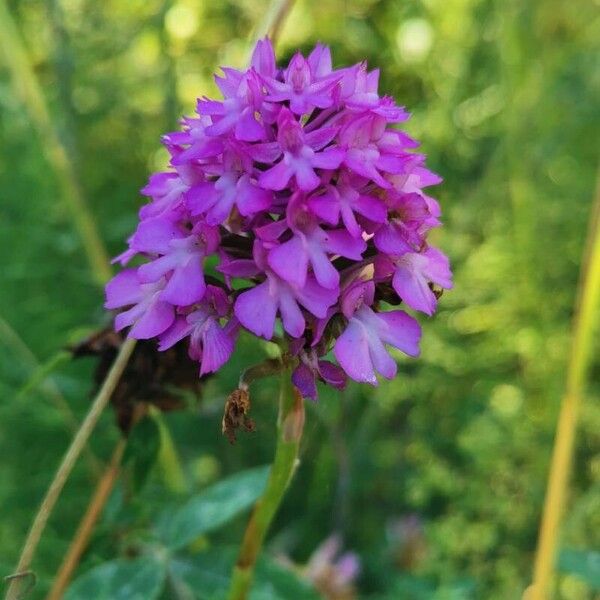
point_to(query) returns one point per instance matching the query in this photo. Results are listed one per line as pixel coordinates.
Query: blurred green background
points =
(436, 479)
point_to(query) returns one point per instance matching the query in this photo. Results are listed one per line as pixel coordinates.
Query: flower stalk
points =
(12, 50)
(586, 320)
(64, 470)
(290, 425)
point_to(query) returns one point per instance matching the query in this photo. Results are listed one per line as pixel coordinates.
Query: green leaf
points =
(142, 450)
(584, 564)
(139, 579)
(212, 508)
(207, 576)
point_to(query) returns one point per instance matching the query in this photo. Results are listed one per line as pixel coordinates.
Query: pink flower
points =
(306, 198)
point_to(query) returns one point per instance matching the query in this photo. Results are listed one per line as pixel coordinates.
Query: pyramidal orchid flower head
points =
(294, 204)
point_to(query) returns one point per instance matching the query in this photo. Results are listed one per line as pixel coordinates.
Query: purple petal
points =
(174, 334)
(217, 347)
(320, 137)
(186, 285)
(123, 289)
(410, 284)
(157, 268)
(389, 239)
(291, 315)
(306, 178)
(242, 267)
(352, 352)
(332, 374)
(325, 273)
(154, 235)
(157, 318)
(438, 268)
(315, 298)
(250, 198)
(319, 61)
(372, 208)
(329, 159)
(401, 331)
(326, 207)
(248, 128)
(304, 379)
(256, 310)
(263, 58)
(341, 242)
(201, 197)
(382, 361)
(290, 261)
(276, 178)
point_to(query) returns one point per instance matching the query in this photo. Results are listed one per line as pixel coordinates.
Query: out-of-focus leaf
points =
(584, 564)
(212, 508)
(139, 579)
(142, 450)
(208, 575)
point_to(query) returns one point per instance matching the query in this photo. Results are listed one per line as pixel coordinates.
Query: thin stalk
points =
(585, 321)
(290, 424)
(168, 457)
(87, 524)
(273, 20)
(29, 89)
(64, 470)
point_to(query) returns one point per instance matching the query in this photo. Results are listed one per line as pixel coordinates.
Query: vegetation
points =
(435, 480)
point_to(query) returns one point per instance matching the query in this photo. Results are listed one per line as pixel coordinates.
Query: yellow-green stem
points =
(584, 325)
(27, 85)
(290, 424)
(66, 467)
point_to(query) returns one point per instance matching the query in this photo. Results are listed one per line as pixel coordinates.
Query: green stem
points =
(64, 470)
(12, 49)
(587, 317)
(290, 424)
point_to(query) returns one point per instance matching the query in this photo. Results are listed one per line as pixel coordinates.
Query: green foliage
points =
(585, 565)
(142, 450)
(212, 508)
(208, 575)
(436, 479)
(139, 579)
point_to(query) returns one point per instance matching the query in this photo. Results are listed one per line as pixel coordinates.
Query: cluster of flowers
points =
(309, 207)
